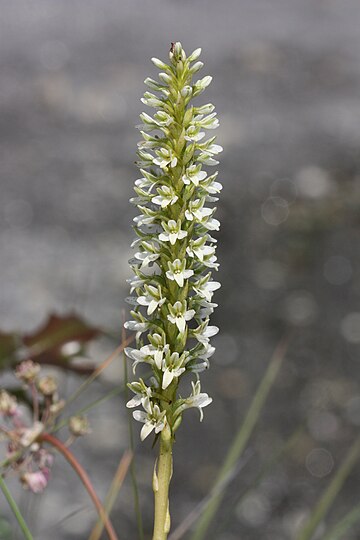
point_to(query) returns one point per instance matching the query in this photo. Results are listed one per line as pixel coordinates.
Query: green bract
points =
(175, 251)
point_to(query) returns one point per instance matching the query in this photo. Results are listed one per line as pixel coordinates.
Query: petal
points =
(189, 314)
(173, 238)
(152, 307)
(140, 416)
(180, 323)
(160, 425)
(179, 278)
(158, 356)
(146, 430)
(167, 378)
(134, 402)
(171, 319)
(188, 273)
(211, 331)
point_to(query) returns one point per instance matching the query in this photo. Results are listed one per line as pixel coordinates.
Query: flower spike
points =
(174, 251)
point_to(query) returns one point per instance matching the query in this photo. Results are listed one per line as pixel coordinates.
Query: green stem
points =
(14, 507)
(161, 481)
(331, 492)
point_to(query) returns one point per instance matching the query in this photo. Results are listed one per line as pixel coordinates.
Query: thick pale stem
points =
(161, 481)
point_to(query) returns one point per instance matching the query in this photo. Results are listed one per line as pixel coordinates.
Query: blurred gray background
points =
(287, 91)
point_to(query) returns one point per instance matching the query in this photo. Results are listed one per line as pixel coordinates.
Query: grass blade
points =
(201, 507)
(15, 509)
(113, 493)
(331, 492)
(264, 470)
(88, 407)
(242, 437)
(83, 386)
(339, 529)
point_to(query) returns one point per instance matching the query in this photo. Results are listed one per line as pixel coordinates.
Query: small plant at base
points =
(26, 454)
(174, 259)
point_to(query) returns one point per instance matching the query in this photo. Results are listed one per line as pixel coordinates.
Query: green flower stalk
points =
(175, 255)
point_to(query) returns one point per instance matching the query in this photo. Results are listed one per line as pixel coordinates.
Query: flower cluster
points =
(26, 455)
(175, 249)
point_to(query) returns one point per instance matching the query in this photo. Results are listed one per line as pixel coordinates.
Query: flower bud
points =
(47, 386)
(8, 404)
(79, 425)
(27, 370)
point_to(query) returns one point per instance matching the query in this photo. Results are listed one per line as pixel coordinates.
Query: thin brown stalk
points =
(68, 455)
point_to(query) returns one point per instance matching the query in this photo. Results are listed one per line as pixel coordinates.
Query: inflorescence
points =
(175, 250)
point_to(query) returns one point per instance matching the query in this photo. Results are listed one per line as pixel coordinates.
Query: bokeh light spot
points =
(314, 182)
(337, 270)
(319, 462)
(350, 327)
(275, 211)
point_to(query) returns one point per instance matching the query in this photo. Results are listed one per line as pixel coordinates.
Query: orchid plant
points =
(174, 259)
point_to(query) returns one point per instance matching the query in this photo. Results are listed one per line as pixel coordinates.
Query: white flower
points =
(179, 315)
(193, 133)
(141, 392)
(177, 271)
(208, 122)
(165, 157)
(151, 100)
(214, 149)
(146, 258)
(143, 220)
(172, 231)
(197, 211)
(153, 418)
(201, 84)
(207, 308)
(207, 159)
(136, 326)
(166, 196)
(153, 298)
(193, 174)
(197, 399)
(199, 249)
(139, 356)
(174, 367)
(204, 332)
(212, 224)
(135, 283)
(157, 348)
(206, 288)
